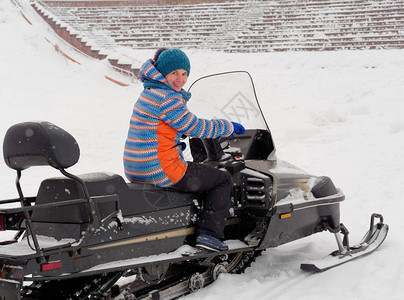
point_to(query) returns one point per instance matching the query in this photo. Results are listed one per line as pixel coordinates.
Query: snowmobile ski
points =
(369, 243)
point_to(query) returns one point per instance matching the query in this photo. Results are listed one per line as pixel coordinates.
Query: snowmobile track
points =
(101, 287)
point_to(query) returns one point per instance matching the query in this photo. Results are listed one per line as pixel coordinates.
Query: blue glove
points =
(238, 129)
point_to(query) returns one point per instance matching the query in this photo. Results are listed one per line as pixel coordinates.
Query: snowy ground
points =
(338, 114)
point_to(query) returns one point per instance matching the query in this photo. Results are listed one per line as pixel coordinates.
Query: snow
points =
(338, 114)
(24, 248)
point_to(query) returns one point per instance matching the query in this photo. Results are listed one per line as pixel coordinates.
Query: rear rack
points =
(20, 218)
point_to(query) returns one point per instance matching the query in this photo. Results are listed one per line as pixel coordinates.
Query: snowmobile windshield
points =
(229, 96)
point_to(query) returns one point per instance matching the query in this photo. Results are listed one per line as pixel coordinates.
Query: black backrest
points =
(39, 143)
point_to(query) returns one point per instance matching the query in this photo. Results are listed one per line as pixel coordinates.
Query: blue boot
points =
(210, 243)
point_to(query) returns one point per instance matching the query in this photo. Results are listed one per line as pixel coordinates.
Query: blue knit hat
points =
(171, 60)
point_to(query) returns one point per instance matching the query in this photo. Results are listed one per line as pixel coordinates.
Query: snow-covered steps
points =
(240, 26)
(98, 28)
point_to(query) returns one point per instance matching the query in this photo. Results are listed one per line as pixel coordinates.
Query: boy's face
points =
(177, 79)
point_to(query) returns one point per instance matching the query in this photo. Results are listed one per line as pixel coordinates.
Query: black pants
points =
(217, 185)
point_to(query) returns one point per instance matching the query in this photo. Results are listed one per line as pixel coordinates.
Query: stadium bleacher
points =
(98, 27)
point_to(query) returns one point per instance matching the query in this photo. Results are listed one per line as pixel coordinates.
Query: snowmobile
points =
(96, 236)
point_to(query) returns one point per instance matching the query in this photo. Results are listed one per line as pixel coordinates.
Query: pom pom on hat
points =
(170, 60)
(158, 52)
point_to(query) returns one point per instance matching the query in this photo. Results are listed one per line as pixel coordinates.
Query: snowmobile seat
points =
(151, 198)
(62, 189)
(70, 220)
(39, 143)
(134, 198)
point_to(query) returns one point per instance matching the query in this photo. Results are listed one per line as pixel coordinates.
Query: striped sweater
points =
(160, 117)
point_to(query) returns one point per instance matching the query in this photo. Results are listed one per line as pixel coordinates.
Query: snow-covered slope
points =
(338, 114)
